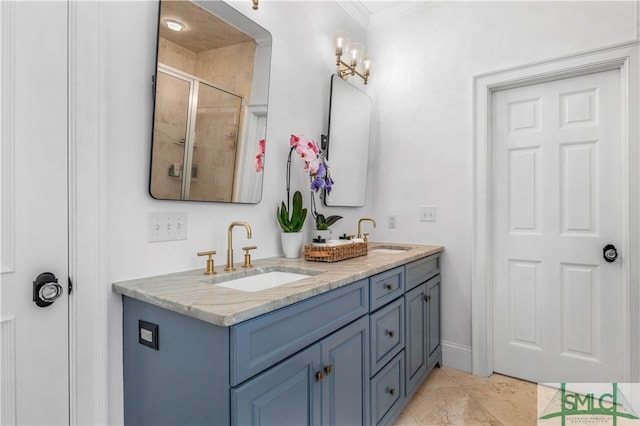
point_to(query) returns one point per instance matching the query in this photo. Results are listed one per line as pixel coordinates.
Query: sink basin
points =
(389, 249)
(263, 281)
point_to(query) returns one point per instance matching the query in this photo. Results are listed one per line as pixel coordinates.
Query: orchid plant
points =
(319, 174)
(260, 156)
(314, 162)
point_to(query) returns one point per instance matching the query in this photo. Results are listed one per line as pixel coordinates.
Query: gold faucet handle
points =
(210, 267)
(366, 237)
(247, 256)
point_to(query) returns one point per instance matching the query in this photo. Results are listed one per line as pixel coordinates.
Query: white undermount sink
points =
(389, 249)
(263, 281)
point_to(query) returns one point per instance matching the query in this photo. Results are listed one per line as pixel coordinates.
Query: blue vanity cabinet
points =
(326, 383)
(433, 313)
(184, 381)
(422, 320)
(353, 355)
(387, 392)
(288, 394)
(263, 341)
(387, 324)
(417, 334)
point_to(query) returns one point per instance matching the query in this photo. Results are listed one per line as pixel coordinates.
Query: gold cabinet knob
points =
(210, 267)
(247, 256)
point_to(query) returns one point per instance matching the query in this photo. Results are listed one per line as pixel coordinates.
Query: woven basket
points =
(334, 253)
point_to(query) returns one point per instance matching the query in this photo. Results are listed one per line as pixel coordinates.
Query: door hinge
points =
(70, 288)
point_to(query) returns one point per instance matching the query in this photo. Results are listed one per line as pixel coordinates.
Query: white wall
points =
(302, 64)
(422, 89)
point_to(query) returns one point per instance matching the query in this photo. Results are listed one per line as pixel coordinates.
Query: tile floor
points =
(453, 397)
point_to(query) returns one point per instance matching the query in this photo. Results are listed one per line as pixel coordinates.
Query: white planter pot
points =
(291, 244)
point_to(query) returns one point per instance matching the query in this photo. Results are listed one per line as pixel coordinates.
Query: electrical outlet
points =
(427, 213)
(148, 334)
(393, 221)
(167, 227)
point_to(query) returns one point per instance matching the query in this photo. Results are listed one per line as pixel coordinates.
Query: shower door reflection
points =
(196, 128)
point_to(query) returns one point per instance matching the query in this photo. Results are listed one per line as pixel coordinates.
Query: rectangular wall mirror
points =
(210, 103)
(348, 143)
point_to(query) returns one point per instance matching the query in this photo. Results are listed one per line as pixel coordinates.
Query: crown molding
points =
(358, 10)
(403, 8)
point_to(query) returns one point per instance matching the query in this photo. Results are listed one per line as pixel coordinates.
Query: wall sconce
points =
(357, 63)
(254, 4)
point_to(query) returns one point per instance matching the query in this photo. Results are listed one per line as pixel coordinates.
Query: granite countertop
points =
(193, 294)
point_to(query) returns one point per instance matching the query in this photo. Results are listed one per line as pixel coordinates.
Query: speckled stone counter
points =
(196, 295)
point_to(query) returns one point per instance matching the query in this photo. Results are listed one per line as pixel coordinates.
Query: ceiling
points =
(203, 30)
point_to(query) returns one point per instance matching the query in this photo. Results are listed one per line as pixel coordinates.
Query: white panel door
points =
(34, 380)
(558, 306)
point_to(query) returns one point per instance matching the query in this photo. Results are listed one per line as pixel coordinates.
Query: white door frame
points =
(89, 301)
(623, 57)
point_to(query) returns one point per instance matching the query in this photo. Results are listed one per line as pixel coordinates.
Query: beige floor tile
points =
(452, 397)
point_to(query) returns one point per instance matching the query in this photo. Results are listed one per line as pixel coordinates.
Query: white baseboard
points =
(456, 356)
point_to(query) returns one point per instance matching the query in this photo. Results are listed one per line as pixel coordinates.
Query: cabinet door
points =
(288, 394)
(345, 387)
(416, 342)
(433, 306)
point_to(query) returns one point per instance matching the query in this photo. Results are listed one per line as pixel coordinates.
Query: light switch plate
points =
(167, 227)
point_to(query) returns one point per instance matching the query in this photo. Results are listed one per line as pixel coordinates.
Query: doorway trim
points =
(88, 303)
(623, 57)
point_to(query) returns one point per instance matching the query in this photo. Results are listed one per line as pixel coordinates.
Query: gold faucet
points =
(360, 224)
(229, 266)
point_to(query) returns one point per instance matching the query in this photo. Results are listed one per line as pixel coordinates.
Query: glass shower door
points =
(217, 123)
(170, 133)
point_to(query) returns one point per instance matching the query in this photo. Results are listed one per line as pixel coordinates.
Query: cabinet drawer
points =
(386, 286)
(421, 270)
(263, 341)
(386, 390)
(387, 334)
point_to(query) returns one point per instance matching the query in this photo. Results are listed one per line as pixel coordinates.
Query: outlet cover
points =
(427, 213)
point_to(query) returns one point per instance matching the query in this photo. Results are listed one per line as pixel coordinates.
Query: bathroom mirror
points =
(348, 143)
(210, 103)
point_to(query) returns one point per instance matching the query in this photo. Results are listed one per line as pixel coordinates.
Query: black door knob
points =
(610, 253)
(46, 289)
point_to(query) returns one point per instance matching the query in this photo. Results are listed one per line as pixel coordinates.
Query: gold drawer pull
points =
(319, 376)
(391, 333)
(388, 286)
(427, 298)
(328, 369)
(392, 391)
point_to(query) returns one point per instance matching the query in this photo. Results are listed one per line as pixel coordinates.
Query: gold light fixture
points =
(255, 4)
(357, 63)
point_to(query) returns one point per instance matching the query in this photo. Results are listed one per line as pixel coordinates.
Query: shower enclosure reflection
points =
(210, 103)
(196, 123)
